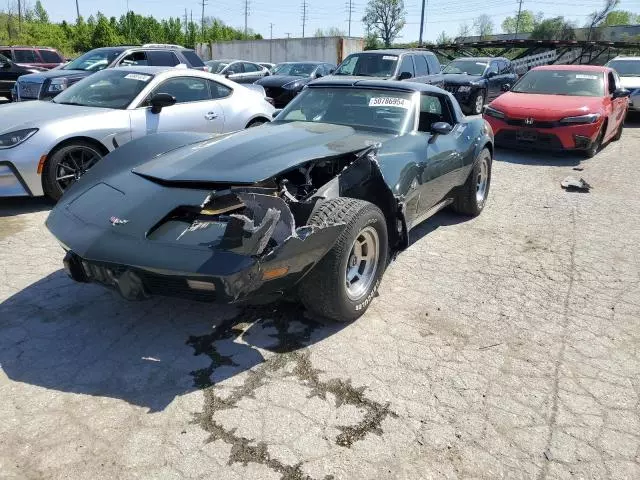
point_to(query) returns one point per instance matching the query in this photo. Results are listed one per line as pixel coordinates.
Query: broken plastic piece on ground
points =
(571, 183)
(578, 169)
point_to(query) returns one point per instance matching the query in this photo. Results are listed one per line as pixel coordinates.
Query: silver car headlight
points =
(590, 118)
(57, 85)
(293, 85)
(11, 139)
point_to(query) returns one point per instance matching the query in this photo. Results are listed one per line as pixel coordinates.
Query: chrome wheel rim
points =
(362, 263)
(479, 103)
(482, 181)
(74, 163)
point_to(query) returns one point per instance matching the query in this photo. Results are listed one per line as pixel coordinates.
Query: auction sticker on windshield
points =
(138, 76)
(389, 57)
(390, 102)
(587, 77)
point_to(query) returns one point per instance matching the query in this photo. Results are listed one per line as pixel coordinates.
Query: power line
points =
(304, 15)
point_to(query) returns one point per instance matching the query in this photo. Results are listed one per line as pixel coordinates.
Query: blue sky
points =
(286, 14)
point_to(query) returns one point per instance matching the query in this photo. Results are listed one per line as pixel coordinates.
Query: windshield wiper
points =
(70, 103)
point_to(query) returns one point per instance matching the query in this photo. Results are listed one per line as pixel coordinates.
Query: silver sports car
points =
(46, 146)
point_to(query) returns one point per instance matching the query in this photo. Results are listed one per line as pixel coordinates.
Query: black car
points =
(240, 71)
(477, 81)
(289, 78)
(394, 64)
(46, 85)
(312, 205)
(9, 73)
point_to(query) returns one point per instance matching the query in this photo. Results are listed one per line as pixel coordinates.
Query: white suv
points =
(628, 69)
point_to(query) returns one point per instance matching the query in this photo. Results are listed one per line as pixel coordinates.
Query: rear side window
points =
(135, 58)
(186, 89)
(50, 56)
(421, 66)
(192, 58)
(218, 90)
(235, 68)
(407, 65)
(434, 64)
(26, 56)
(250, 67)
(7, 53)
(161, 58)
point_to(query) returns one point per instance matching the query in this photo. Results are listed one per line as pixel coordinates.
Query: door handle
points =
(211, 116)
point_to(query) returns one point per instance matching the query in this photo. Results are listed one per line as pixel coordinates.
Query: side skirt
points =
(431, 212)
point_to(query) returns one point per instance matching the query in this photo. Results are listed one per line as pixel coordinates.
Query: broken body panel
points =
(225, 218)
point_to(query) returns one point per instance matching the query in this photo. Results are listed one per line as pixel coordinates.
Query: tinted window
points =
(561, 82)
(25, 56)
(135, 58)
(295, 69)
(6, 53)
(624, 68)
(470, 67)
(421, 65)
(250, 67)
(368, 65)
(193, 58)
(234, 68)
(110, 88)
(434, 64)
(94, 60)
(218, 90)
(162, 58)
(493, 68)
(185, 89)
(49, 57)
(612, 83)
(502, 67)
(407, 65)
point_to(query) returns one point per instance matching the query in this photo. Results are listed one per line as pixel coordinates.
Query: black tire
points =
(596, 145)
(473, 108)
(50, 185)
(324, 290)
(618, 134)
(256, 123)
(467, 201)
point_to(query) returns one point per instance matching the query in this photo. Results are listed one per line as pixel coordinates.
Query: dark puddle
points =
(291, 359)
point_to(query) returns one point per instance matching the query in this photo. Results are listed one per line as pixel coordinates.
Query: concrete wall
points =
(323, 49)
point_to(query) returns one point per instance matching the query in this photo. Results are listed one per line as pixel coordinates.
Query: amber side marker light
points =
(43, 159)
(274, 273)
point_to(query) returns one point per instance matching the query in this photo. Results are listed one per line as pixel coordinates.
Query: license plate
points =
(527, 135)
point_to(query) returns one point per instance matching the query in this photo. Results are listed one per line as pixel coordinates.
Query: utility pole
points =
(19, 16)
(424, 8)
(202, 19)
(77, 9)
(186, 24)
(288, 34)
(350, 9)
(304, 15)
(246, 15)
(270, 40)
(515, 37)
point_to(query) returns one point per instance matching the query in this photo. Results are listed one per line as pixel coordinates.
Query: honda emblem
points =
(528, 121)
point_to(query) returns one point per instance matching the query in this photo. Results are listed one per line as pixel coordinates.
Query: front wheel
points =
(66, 165)
(477, 103)
(343, 284)
(473, 194)
(596, 144)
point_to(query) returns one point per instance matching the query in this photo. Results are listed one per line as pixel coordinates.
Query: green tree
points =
(620, 17)
(484, 26)
(103, 34)
(330, 32)
(40, 13)
(553, 29)
(527, 23)
(385, 19)
(443, 38)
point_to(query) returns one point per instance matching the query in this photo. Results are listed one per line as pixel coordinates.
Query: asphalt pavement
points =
(505, 346)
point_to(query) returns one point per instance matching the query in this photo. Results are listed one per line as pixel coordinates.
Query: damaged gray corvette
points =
(311, 206)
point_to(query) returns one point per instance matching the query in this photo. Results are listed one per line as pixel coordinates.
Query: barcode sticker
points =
(138, 76)
(390, 102)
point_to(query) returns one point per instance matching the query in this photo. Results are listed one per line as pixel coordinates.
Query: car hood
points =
(280, 80)
(545, 107)
(630, 83)
(461, 79)
(36, 114)
(40, 77)
(256, 154)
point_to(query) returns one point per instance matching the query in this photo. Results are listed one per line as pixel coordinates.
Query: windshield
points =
(112, 88)
(574, 83)
(626, 68)
(93, 61)
(369, 109)
(295, 69)
(216, 66)
(368, 65)
(470, 67)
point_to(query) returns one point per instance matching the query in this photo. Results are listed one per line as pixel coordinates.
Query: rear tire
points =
(473, 194)
(72, 160)
(344, 282)
(256, 123)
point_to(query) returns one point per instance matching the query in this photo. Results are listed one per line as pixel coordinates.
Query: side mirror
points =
(276, 112)
(505, 87)
(318, 75)
(491, 74)
(5, 65)
(621, 93)
(332, 70)
(405, 76)
(440, 128)
(161, 100)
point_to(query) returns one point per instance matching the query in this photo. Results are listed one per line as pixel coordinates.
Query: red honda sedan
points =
(560, 107)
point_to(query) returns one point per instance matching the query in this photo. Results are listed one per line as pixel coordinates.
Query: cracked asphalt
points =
(506, 346)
